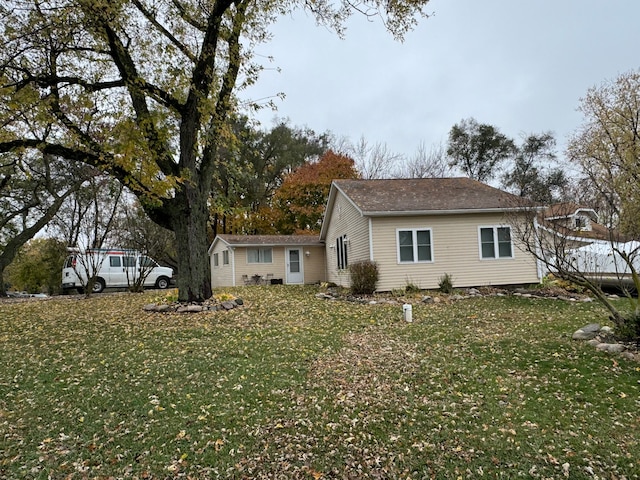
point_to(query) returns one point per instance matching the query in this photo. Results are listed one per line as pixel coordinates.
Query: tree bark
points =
(189, 222)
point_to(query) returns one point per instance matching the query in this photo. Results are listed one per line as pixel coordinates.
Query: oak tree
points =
(142, 89)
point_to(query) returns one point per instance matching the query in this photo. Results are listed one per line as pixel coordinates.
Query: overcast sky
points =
(521, 66)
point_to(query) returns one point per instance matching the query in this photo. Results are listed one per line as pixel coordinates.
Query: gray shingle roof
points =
(272, 240)
(426, 195)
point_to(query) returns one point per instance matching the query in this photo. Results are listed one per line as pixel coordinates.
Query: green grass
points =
(291, 386)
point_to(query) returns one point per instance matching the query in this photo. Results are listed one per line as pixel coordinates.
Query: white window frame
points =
(261, 254)
(225, 257)
(342, 253)
(414, 244)
(216, 260)
(496, 243)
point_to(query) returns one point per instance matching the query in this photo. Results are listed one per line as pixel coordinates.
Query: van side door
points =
(116, 271)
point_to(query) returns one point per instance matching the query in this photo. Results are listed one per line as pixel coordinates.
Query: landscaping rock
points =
(325, 296)
(582, 335)
(611, 347)
(228, 305)
(592, 327)
(427, 299)
(587, 332)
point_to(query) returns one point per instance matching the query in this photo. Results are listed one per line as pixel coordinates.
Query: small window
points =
(495, 242)
(115, 262)
(129, 261)
(579, 223)
(341, 252)
(414, 246)
(216, 261)
(259, 255)
(225, 257)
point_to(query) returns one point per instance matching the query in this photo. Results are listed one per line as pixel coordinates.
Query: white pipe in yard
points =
(407, 312)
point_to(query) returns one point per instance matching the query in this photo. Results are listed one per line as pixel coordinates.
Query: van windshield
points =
(147, 262)
(70, 262)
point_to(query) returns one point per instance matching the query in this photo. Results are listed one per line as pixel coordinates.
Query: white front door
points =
(295, 272)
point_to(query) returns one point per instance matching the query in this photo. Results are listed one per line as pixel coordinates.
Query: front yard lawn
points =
(292, 386)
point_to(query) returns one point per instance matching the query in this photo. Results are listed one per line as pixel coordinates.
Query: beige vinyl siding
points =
(276, 267)
(313, 265)
(222, 275)
(346, 220)
(455, 250)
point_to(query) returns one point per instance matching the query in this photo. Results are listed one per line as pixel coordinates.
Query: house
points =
(416, 230)
(573, 225)
(572, 239)
(261, 259)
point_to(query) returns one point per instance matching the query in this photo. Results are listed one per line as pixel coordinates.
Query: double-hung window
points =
(341, 252)
(225, 257)
(414, 245)
(216, 261)
(259, 255)
(495, 242)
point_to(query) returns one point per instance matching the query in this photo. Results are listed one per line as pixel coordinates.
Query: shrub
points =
(37, 266)
(446, 283)
(411, 288)
(364, 277)
(629, 329)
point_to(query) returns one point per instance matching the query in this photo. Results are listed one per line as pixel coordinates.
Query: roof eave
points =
(217, 239)
(333, 193)
(277, 244)
(461, 211)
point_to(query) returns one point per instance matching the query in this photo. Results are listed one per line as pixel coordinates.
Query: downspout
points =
(232, 251)
(370, 240)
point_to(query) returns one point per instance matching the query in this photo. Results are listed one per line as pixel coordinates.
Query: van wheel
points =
(162, 282)
(98, 287)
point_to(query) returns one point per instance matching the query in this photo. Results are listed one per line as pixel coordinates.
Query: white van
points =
(115, 267)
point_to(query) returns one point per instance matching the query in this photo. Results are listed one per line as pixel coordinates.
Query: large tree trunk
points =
(190, 227)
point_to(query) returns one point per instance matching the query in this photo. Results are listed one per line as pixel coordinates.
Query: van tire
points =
(162, 283)
(98, 287)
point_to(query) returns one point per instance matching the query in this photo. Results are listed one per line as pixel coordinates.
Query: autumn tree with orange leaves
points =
(298, 205)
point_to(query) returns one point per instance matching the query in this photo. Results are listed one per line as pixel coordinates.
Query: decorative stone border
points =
(602, 339)
(193, 307)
